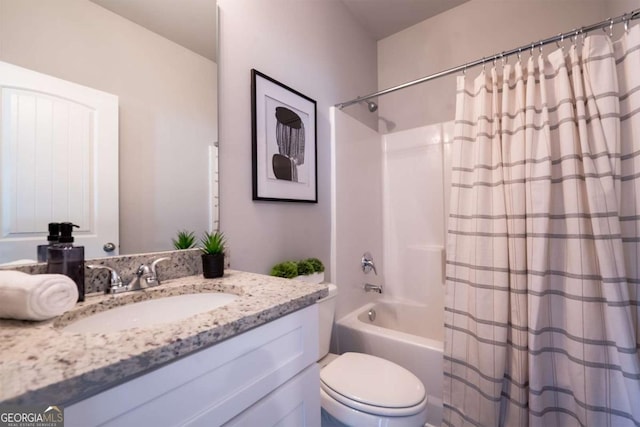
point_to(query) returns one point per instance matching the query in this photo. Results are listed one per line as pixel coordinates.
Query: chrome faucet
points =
(368, 287)
(146, 276)
(367, 263)
(115, 285)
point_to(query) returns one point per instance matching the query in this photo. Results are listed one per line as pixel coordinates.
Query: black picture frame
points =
(284, 142)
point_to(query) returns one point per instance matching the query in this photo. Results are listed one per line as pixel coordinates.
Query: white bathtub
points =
(404, 334)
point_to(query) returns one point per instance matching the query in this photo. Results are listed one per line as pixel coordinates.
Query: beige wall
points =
(168, 106)
(619, 7)
(316, 48)
(468, 32)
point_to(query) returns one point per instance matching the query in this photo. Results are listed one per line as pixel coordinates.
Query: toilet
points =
(362, 390)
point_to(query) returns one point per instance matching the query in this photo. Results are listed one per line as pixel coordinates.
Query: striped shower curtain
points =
(542, 299)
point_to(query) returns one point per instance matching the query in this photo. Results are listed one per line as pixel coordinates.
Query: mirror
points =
(158, 58)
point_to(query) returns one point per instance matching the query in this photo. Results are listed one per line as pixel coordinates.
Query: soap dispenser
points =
(52, 239)
(65, 258)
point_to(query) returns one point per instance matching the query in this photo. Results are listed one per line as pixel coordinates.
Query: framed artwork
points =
(283, 124)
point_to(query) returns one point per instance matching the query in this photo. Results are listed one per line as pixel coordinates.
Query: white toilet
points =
(361, 390)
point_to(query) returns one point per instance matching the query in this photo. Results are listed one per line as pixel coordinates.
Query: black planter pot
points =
(212, 265)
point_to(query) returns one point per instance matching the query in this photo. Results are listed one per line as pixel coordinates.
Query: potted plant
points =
(213, 245)
(287, 269)
(307, 270)
(184, 240)
(310, 270)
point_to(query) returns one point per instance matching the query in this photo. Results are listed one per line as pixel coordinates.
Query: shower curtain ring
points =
(540, 47)
(483, 64)
(519, 54)
(560, 44)
(611, 27)
(626, 23)
(503, 59)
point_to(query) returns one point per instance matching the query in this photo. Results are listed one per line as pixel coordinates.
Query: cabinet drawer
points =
(294, 404)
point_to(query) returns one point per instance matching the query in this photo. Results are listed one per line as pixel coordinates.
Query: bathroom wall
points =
(316, 48)
(619, 7)
(357, 210)
(468, 32)
(167, 103)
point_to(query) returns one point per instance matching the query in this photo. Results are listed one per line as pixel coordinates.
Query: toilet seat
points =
(362, 382)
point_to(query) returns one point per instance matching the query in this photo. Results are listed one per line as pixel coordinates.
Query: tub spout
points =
(368, 287)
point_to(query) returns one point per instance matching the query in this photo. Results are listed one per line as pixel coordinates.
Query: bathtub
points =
(404, 334)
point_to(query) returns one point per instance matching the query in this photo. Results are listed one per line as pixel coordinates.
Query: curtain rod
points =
(635, 14)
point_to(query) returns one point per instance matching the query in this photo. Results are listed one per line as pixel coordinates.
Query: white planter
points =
(311, 278)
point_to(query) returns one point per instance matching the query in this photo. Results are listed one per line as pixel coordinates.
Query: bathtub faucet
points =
(368, 287)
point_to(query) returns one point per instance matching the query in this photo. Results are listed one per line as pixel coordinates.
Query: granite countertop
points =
(42, 364)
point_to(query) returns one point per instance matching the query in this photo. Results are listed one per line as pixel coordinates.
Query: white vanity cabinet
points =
(263, 377)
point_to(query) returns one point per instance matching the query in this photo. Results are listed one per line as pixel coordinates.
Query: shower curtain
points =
(542, 300)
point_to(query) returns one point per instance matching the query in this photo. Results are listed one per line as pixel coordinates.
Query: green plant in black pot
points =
(184, 240)
(213, 245)
(287, 269)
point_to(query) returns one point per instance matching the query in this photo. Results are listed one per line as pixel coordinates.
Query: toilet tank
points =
(326, 310)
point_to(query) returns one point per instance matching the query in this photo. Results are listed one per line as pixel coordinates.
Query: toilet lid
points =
(373, 381)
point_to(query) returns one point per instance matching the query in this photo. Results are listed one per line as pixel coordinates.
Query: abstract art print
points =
(284, 142)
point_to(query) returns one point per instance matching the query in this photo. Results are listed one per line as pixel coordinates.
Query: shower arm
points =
(625, 18)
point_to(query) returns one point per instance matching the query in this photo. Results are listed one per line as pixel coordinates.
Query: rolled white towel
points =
(35, 297)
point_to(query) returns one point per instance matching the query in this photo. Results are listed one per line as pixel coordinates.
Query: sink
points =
(150, 313)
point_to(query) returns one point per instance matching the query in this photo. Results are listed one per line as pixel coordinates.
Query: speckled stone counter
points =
(42, 364)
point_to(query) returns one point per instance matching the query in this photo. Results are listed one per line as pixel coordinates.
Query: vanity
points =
(248, 362)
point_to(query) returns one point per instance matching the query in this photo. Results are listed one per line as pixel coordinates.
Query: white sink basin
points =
(150, 313)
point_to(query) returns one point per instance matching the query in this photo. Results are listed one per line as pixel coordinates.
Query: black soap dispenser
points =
(64, 258)
(52, 239)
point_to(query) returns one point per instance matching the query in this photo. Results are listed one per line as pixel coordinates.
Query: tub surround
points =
(40, 363)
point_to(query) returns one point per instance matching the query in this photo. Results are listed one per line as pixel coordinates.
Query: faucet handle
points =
(155, 262)
(367, 263)
(114, 283)
(151, 273)
(143, 270)
(148, 273)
